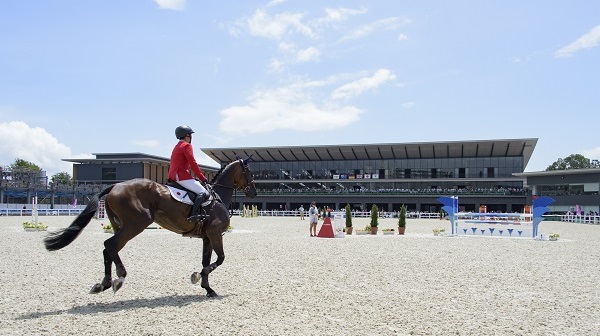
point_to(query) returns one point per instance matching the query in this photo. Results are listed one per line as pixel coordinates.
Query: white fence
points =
(355, 214)
(41, 212)
(580, 219)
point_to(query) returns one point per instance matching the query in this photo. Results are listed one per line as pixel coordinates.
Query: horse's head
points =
(244, 179)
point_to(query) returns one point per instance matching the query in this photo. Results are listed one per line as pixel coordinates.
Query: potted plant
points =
(374, 216)
(402, 220)
(366, 230)
(107, 228)
(348, 219)
(437, 232)
(554, 236)
(388, 231)
(31, 226)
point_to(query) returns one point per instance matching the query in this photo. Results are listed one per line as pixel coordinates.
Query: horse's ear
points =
(248, 160)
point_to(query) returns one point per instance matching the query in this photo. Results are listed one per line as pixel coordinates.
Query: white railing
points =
(355, 214)
(41, 212)
(585, 219)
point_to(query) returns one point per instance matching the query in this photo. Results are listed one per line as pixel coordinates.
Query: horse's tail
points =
(63, 237)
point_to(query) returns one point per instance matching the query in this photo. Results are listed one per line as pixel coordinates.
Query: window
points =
(109, 174)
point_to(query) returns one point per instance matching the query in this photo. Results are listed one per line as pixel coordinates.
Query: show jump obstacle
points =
(332, 230)
(496, 224)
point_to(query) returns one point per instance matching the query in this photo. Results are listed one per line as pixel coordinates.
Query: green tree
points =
(402, 217)
(348, 215)
(21, 164)
(374, 215)
(62, 178)
(573, 161)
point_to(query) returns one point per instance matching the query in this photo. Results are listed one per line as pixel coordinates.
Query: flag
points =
(74, 203)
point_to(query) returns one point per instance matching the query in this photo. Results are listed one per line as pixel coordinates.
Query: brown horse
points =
(133, 205)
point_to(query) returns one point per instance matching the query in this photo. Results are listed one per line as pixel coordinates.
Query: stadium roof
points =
(421, 150)
(114, 158)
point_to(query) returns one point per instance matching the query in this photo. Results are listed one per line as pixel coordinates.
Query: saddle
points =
(184, 195)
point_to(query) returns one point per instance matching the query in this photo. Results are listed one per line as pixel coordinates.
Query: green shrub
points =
(402, 217)
(374, 215)
(348, 215)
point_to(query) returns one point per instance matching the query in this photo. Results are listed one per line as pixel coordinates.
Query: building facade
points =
(389, 175)
(569, 189)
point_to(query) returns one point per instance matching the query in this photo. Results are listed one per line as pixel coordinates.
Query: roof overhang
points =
(422, 150)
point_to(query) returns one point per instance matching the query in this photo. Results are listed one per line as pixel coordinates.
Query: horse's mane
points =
(214, 179)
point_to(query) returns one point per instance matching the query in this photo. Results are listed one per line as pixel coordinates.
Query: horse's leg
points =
(217, 246)
(206, 256)
(107, 281)
(113, 245)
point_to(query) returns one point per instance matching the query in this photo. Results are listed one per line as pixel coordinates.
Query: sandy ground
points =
(276, 280)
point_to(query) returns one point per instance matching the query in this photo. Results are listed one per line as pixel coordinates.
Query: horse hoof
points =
(195, 277)
(117, 284)
(97, 288)
(212, 294)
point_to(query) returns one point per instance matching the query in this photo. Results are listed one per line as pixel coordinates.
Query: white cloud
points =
(588, 40)
(391, 23)
(171, 4)
(287, 108)
(275, 65)
(409, 105)
(402, 37)
(277, 26)
(34, 144)
(339, 14)
(361, 85)
(592, 154)
(307, 55)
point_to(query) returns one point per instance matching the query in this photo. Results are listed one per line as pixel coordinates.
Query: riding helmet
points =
(182, 131)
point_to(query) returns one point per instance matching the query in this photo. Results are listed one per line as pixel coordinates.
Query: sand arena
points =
(276, 280)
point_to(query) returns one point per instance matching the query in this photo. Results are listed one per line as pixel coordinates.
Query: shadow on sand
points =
(109, 307)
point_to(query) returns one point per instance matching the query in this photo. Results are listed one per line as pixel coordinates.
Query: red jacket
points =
(182, 159)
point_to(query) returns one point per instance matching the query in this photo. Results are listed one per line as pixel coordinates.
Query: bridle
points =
(247, 176)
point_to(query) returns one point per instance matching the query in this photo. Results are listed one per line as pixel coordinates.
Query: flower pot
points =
(401, 230)
(373, 230)
(388, 232)
(349, 230)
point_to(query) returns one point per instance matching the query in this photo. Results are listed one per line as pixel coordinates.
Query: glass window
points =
(109, 174)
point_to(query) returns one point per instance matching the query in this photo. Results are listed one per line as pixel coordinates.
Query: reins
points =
(235, 188)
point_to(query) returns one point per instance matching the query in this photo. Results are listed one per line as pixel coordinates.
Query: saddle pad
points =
(180, 195)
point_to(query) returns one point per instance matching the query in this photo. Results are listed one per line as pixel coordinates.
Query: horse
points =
(131, 206)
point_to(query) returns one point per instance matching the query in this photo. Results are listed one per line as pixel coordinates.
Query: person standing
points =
(301, 210)
(182, 160)
(313, 218)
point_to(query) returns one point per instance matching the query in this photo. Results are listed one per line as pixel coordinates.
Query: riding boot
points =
(198, 213)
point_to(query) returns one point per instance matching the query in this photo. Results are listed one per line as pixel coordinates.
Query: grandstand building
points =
(389, 175)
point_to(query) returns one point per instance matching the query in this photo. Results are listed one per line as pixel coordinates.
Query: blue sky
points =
(83, 77)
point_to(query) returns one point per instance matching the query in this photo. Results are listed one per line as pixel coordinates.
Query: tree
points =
(21, 164)
(573, 161)
(348, 216)
(402, 217)
(62, 178)
(374, 215)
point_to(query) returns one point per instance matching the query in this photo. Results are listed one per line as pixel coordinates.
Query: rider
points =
(182, 159)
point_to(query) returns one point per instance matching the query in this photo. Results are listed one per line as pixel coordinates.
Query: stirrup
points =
(197, 218)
